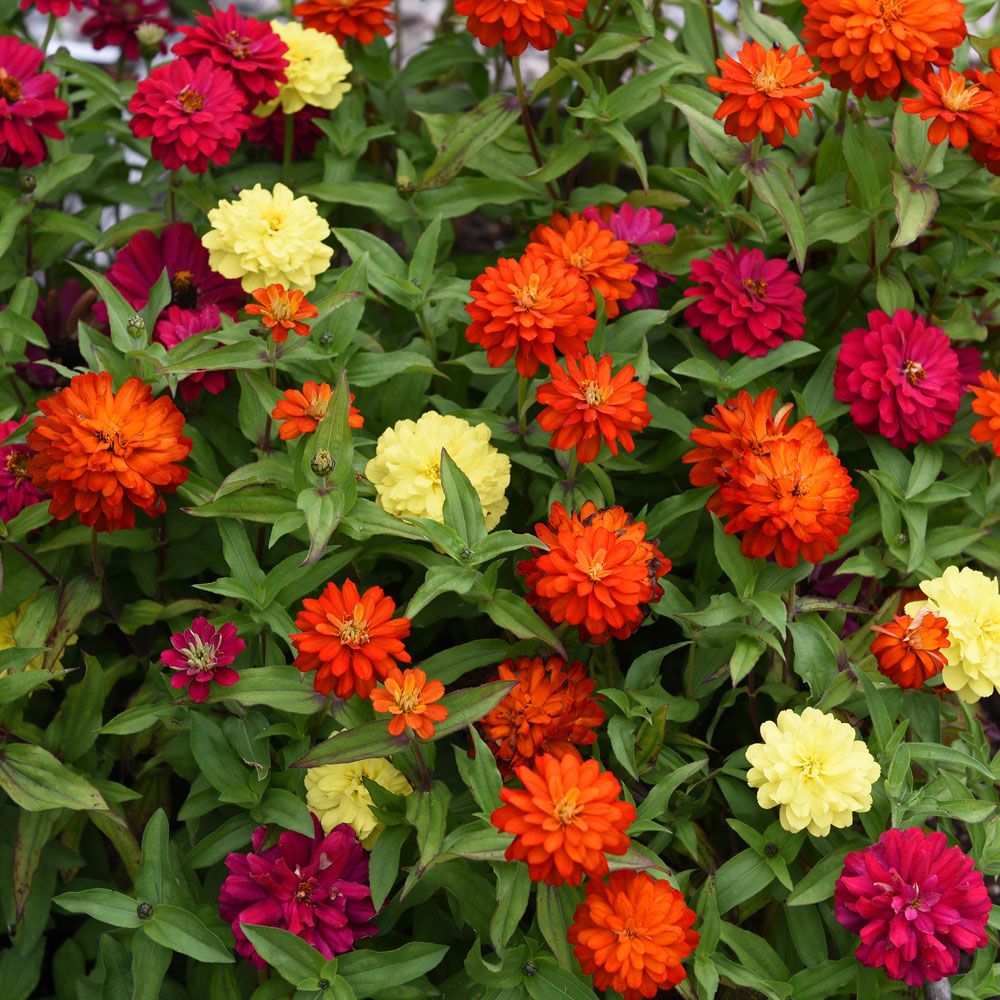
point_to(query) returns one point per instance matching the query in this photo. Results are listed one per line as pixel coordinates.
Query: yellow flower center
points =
(914, 372)
(280, 309)
(275, 222)
(757, 287)
(237, 45)
(316, 408)
(114, 440)
(17, 465)
(594, 393)
(568, 808)
(958, 96)
(527, 295)
(354, 632)
(595, 571)
(888, 14)
(185, 292)
(811, 764)
(765, 79)
(408, 701)
(10, 86)
(191, 100)
(581, 258)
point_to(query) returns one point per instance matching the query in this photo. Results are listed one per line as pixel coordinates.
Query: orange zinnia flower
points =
(280, 310)
(795, 499)
(593, 252)
(631, 934)
(349, 639)
(767, 92)
(956, 106)
(360, 19)
(566, 820)
(987, 405)
(550, 709)
(987, 150)
(597, 572)
(101, 454)
(584, 405)
(409, 697)
(872, 46)
(530, 307)
(302, 409)
(908, 650)
(519, 23)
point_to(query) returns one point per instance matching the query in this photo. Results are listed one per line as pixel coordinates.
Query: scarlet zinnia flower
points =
(987, 405)
(916, 903)
(956, 107)
(281, 311)
(745, 302)
(550, 710)
(408, 696)
(360, 19)
(302, 409)
(587, 247)
(519, 23)
(17, 491)
(871, 46)
(566, 820)
(908, 650)
(101, 454)
(631, 934)
(350, 639)
(115, 22)
(530, 307)
(767, 91)
(174, 327)
(29, 108)
(585, 404)
(201, 655)
(597, 572)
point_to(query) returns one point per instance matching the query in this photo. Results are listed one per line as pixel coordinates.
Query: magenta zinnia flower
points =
(114, 22)
(901, 377)
(176, 325)
(915, 902)
(315, 887)
(29, 108)
(17, 491)
(201, 656)
(745, 302)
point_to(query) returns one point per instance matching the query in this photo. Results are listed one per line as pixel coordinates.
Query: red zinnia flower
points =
(269, 132)
(584, 405)
(408, 696)
(908, 650)
(29, 108)
(360, 19)
(281, 310)
(956, 106)
(58, 7)
(175, 326)
(114, 22)
(519, 23)
(17, 491)
(201, 655)
(987, 405)
(301, 410)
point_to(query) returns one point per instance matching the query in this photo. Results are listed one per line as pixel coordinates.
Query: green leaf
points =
(916, 204)
(740, 570)
(36, 780)
(52, 174)
(513, 890)
(550, 982)
(933, 753)
(119, 312)
(774, 184)
(427, 813)
(292, 958)
(742, 876)
(370, 972)
(15, 686)
(150, 962)
(554, 908)
(513, 613)
(181, 931)
(450, 664)
(463, 510)
(483, 776)
(109, 907)
(283, 688)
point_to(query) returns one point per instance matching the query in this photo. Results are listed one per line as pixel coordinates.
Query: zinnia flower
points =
(519, 23)
(987, 150)
(566, 820)
(201, 655)
(360, 19)
(336, 793)
(317, 70)
(631, 934)
(909, 650)
(408, 696)
(900, 376)
(314, 887)
(591, 250)
(17, 491)
(60, 8)
(116, 22)
(350, 639)
(282, 311)
(176, 325)
(970, 603)
(301, 410)
(955, 106)
(268, 237)
(550, 710)
(406, 469)
(987, 405)
(29, 107)
(916, 903)
(766, 92)
(597, 572)
(745, 302)
(585, 405)
(101, 454)
(814, 769)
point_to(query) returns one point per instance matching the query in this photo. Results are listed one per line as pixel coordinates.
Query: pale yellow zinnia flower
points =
(317, 70)
(406, 469)
(814, 769)
(970, 602)
(336, 793)
(268, 237)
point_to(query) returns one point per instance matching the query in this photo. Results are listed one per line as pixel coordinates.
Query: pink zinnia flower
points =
(114, 22)
(901, 377)
(17, 491)
(269, 132)
(745, 302)
(315, 887)
(916, 903)
(970, 367)
(201, 656)
(637, 227)
(251, 50)
(176, 325)
(58, 7)
(29, 108)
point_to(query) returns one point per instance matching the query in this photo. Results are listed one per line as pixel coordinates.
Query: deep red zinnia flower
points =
(115, 22)
(201, 654)
(175, 326)
(360, 19)
(745, 302)
(519, 23)
(916, 903)
(17, 491)
(29, 107)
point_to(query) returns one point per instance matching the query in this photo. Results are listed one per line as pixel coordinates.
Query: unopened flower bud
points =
(144, 911)
(322, 463)
(136, 326)
(149, 36)
(405, 186)
(26, 182)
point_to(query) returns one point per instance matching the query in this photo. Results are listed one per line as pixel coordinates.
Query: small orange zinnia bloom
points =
(530, 307)
(550, 709)
(593, 252)
(566, 820)
(597, 572)
(408, 696)
(631, 934)
(956, 107)
(767, 91)
(519, 23)
(281, 310)
(360, 19)
(987, 405)
(908, 650)
(585, 404)
(350, 639)
(301, 410)
(101, 454)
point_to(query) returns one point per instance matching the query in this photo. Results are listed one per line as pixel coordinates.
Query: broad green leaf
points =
(292, 958)
(181, 931)
(105, 905)
(36, 780)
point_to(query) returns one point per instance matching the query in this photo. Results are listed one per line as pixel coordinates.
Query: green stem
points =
(710, 14)
(522, 404)
(423, 771)
(286, 159)
(34, 563)
(529, 125)
(924, 163)
(50, 30)
(95, 558)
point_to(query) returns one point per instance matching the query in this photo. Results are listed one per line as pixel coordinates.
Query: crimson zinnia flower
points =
(360, 19)
(201, 655)
(917, 904)
(519, 23)
(281, 311)
(315, 887)
(955, 106)
(176, 325)
(114, 22)
(58, 7)
(17, 491)
(745, 302)
(908, 649)
(29, 108)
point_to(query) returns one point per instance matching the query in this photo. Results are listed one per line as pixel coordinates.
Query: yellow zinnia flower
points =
(814, 769)
(268, 237)
(970, 602)
(316, 73)
(336, 793)
(406, 469)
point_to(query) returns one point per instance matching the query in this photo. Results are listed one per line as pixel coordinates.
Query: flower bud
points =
(149, 36)
(322, 463)
(144, 911)
(26, 182)
(136, 326)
